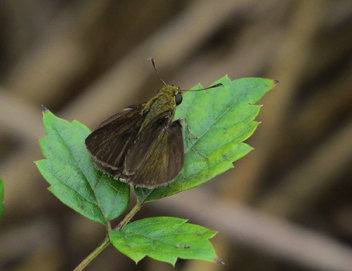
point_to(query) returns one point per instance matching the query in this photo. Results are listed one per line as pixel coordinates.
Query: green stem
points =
(129, 216)
(106, 241)
(95, 253)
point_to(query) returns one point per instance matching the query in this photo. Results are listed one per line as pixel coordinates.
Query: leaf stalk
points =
(106, 242)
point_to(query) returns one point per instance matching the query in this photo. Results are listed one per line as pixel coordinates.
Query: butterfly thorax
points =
(162, 105)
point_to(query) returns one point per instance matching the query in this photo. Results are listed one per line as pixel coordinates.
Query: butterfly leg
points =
(189, 138)
(187, 127)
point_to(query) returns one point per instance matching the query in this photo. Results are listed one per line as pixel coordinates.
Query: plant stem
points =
(106, 241)
(129, 216)
(95, 253)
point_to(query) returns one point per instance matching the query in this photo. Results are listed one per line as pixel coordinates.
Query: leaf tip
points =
(44, 109)
(217, 260)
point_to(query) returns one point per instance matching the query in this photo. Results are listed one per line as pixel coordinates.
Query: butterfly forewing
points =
(147, 138)
(164, 160)
(109, 143)
(117, 115)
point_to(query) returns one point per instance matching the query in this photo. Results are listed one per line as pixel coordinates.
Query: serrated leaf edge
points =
(74, 158)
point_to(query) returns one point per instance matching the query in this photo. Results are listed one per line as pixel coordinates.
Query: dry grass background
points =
(285, 206)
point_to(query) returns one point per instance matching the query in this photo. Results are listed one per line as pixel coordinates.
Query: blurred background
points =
(286, 206)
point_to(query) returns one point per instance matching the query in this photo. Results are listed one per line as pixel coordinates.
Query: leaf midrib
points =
(86, 177)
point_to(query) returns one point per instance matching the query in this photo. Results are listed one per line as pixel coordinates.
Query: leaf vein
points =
(217, 119)
(77, 162)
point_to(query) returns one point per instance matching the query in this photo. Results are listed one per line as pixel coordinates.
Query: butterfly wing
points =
(117, 115)
(164, 160)
(147, 157)
(109, 142)
(147, 138)
(129, 149)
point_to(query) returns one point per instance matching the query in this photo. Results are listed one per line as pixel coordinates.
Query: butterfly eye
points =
(178, 98)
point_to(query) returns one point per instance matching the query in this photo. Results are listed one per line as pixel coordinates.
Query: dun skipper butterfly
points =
(142, 146)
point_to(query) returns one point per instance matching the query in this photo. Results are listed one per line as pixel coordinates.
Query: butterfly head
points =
(172, 91)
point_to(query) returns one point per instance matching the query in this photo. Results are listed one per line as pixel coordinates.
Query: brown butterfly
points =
(142, 146)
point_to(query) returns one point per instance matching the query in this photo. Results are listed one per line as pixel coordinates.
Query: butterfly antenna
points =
(213, 86)
(154, 66)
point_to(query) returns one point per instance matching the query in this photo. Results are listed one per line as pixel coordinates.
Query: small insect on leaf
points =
(142, 146)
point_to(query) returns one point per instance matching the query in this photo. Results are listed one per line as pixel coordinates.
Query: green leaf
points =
(2, 188)
(222, 118)
(73, 178)
(164, 239)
